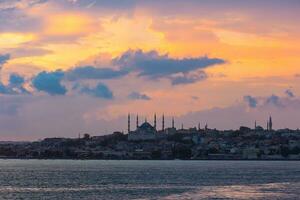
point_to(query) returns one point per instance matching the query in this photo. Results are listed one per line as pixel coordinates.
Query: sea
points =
(166, 180)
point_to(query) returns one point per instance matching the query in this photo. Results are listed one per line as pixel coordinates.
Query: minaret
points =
(163, 122)
(199, 128)
(173, 123)
(255, 125)
(206, 127)
(155, 121)
(129, 123)
(137, 121)
(270, 124)
(181, 126)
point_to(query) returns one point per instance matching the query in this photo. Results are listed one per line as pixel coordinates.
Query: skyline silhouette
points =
(70, 66)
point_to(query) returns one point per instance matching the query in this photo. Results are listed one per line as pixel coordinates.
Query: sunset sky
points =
(76, 66)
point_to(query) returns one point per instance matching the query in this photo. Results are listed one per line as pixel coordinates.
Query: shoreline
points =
(9, 158)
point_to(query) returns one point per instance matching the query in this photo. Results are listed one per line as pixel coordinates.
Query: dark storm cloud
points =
(50, 82)
(100, 91)
(90, 72)
(138, 96)
(251, 101)
(152, 65)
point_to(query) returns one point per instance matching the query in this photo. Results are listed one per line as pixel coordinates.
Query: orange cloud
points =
(68, 24)
(13, 40)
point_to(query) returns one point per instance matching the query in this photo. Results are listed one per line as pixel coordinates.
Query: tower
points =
(270, 124)
(163, 122)
(255, 125)
(155, 121)
(173, 123)
(181, 126)
(267, 125)
(199, 126)
(137, 121)
(128, 123)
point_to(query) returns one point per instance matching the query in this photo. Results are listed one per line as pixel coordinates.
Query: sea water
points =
(102, 179)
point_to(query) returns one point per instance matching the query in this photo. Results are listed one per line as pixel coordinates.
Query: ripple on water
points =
(259, 191)
(167, 180)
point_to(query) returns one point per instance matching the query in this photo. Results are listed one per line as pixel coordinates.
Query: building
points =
(270, 124)
(147, 131)
(143, 132)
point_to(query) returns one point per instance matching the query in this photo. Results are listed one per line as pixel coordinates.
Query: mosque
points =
(145, 131)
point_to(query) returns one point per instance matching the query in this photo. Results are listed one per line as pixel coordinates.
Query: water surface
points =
(77, 179)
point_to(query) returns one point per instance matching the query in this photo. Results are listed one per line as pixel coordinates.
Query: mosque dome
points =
(147, 127)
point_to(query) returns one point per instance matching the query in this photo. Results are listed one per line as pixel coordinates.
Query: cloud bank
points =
(147, 64)
(50, 82)
(100, 91)
(15, 86)
(154, 66)
(138, 63)
(90, 72)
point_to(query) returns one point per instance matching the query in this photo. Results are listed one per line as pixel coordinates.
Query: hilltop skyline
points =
(74, 66)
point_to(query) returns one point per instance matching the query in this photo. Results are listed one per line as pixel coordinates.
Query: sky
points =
(80, 66)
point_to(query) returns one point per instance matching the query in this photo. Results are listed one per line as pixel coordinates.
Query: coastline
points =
(80, 159)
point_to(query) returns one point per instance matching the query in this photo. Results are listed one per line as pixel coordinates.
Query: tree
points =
(156, 154)
(284, 151)
(86, 136)
(182, 152)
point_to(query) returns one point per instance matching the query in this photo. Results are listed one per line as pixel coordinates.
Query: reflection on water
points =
(261, 191)
(69, 179)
